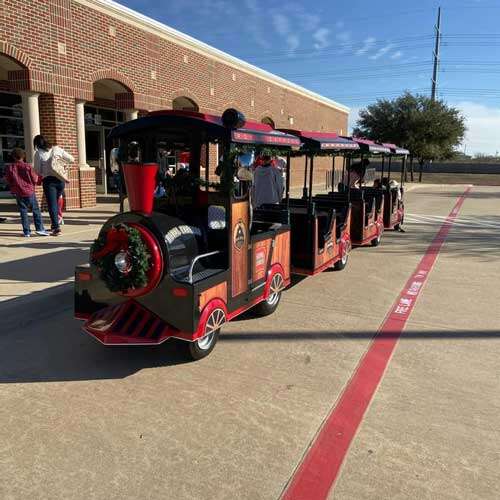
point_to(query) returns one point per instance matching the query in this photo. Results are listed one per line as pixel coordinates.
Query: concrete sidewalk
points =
(31, 265)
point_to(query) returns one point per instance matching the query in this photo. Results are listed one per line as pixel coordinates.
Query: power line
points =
(368, 69)
(403, 42)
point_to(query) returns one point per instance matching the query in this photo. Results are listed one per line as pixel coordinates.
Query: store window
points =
(102, 117)
(11, 130)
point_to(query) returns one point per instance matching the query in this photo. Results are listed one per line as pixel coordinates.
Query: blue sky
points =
(355, 51)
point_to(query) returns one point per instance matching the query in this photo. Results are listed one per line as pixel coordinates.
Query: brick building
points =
(72, 69)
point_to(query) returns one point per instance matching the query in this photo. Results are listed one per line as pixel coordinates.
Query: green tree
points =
(431, 130)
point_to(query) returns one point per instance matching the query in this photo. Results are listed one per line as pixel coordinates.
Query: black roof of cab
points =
(210, 126)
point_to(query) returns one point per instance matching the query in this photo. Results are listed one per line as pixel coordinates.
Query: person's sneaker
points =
(42, 233)
(56, 232)
(27, 235)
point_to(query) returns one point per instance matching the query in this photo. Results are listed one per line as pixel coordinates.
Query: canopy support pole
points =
(383, 167)
(348, 166)
(333, 173)
(207, 163)
(287, 185)
(311, 169)
(344, 161)
(304, 189)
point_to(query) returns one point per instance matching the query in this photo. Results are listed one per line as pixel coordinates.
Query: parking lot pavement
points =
(83, 421)
(432, 430)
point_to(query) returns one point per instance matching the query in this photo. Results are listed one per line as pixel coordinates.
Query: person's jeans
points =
(53, 188)
(25, 203)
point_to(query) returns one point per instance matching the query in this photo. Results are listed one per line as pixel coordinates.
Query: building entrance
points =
(98, 123)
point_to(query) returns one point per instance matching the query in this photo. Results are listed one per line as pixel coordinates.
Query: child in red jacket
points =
(22, 180)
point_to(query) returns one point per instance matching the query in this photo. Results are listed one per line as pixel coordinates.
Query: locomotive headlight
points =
(122, 262)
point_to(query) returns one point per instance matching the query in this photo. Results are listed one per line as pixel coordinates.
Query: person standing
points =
(22, 180)
(117, 171)
(45, 161)
(267, 184)
(355, 174)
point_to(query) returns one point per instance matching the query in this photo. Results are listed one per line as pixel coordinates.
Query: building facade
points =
(72, 69)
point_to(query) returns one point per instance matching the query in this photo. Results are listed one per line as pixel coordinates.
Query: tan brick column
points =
(31, 121)
(87, 173)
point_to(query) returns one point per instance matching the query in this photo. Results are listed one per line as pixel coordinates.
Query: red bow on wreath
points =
(116, 241)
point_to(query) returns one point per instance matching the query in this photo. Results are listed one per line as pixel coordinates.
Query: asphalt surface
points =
(81, 421)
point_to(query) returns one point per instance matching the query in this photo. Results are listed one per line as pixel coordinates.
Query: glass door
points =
(96, 156)
(98, 123)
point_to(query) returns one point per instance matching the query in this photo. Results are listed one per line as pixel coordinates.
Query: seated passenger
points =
(267, 184)
(395, 185)
(354, 176)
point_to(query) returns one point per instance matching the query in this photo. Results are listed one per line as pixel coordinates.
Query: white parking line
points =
(477, 222)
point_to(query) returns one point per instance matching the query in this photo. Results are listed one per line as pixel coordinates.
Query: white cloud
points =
(310, 22)
(367, 46)
(252, 6)
(343, 36)
(293, 42)
(322, 38)
(483, 123)
(253, 26)
(397, 55)
(281, 23)
(283, 26)
(381, 52)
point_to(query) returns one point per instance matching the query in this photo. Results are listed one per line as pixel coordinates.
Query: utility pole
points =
(436, 56)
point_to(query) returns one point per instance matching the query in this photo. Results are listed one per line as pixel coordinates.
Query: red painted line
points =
(321, 465)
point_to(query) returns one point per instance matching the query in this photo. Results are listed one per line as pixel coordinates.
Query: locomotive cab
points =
(188, 256)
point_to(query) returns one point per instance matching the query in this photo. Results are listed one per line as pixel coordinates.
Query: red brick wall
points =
(87, 187)
(151, 68)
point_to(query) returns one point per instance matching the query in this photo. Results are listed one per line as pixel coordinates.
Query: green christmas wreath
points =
(122, 258)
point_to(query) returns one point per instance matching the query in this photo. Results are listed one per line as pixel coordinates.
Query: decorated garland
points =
(122, 258)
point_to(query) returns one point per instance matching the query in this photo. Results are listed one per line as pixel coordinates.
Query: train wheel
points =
(376, 241)
(203, 346)
(340, 264)
(268, 306)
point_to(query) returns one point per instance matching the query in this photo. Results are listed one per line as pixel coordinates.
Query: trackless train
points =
(196, 253)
